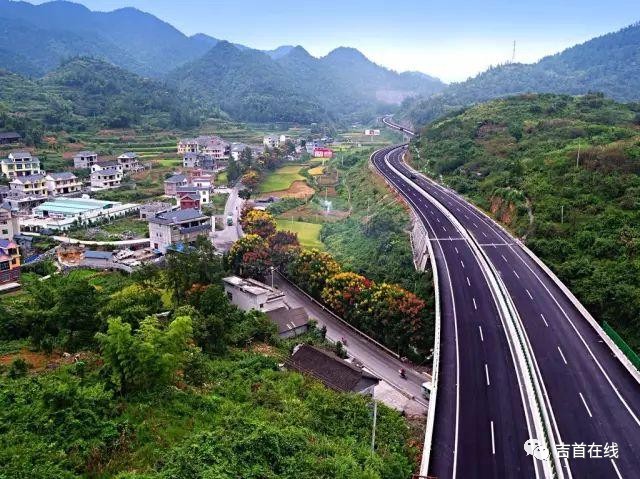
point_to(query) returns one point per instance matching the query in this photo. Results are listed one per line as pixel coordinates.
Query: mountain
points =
(85, 92)
(247, 84)
(285, 84)
(523, 158)
(280, 51)
(609, 64)
(43, 35)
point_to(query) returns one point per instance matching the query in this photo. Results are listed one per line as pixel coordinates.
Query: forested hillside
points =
(609, 64)
(85, 92)
(563, 173)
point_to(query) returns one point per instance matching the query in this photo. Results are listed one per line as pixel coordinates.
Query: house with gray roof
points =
(62, 183)
(334, 372)
(177, 228)
(19, 163)
(173, 182)
(85, 159)
(106, 179)
(30, 184)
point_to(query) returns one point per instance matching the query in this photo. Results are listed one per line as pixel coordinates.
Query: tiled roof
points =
(85, 153)
(178, 216)
(179, 178)
(62, 175)
(28, 178)
(288, 319)
(330, 369)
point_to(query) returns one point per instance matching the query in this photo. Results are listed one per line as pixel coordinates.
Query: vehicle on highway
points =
(230, 220)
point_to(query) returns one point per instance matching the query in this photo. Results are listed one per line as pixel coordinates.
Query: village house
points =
(173, 182)
(208, 145)
(8, 137)
(106, 179)
(271, 141)
(321, 152)
(204, 193)
(104, 165)
(85, 159)
(201, 179)
(62, 183)
(9, 261)
(19, 163)
(23, 202)
(189, 201)
(290, 322)
(177, 229)
(154, 208)
(130, 162)
(248, 294)
(332, 371)
(191, 160)
(31, 184)
(9, 222)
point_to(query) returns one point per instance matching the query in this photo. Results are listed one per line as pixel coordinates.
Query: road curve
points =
(480, 423)
(593, 398)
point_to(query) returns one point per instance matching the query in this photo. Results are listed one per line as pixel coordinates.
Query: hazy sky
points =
(451, 39)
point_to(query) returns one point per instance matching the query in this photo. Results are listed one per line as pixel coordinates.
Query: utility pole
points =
(578, 157)
(513, 55)
(562, 214)
(272, 272)
(375, 420)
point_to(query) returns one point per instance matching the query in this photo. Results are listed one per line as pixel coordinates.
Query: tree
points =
(311, 269)
(258, 222)
(248, 248)
(199, 265)
(63, 311)
(133, 303)
(244, 193)
(250, 179)
(148, 358)
(246, 158)
(346, 294)
(284, 247)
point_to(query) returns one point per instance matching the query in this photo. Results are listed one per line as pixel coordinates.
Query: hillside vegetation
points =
(517, 158)
(607, 64)
(85, 92)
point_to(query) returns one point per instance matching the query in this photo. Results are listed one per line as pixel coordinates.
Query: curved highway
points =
(481, 422)
(592, 398)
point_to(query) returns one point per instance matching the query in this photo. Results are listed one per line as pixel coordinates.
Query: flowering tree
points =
(247, 249)
(250, 179)
(346, 293)
(258, 222)
(311, 269)
(284, 247)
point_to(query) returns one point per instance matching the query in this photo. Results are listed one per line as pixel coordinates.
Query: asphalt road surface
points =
(480, 423)
(592, 397)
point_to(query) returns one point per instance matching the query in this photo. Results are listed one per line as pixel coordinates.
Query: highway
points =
(481, 422)
(590, 396)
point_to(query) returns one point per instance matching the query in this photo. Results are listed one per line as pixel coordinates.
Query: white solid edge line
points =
(615, 467)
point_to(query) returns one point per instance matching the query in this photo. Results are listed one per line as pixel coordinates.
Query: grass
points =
(318, 170)
(281, 179)
(308, 233)
(112, 231)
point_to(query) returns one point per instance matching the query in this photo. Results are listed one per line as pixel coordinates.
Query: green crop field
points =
(281, 178)
(308, 233)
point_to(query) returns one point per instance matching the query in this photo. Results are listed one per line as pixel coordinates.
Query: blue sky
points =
(451, 39)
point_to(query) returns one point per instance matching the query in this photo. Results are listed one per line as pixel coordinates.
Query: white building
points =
(104, 165)
(271, 141)
(204, 193)
(62, 183)
(85, 159)
(249, 294)
(130, 162)
(63, 213)
(106, 179)
(19, 163)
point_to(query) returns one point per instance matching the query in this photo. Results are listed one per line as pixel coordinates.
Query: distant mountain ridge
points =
(284, 84)
(609, 64)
